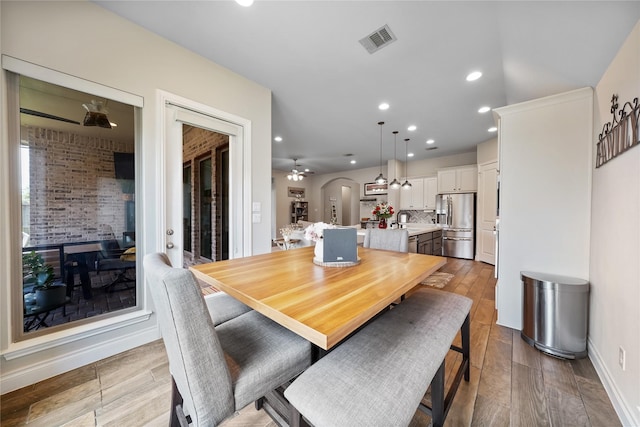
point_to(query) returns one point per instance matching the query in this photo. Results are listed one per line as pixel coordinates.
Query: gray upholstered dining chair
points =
(221, 306)
(390, 240)
(217, 370)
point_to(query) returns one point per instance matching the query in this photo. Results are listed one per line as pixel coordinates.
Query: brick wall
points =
(199, 144)
(74, 196)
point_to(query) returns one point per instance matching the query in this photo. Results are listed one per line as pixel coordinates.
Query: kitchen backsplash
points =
(421, 217)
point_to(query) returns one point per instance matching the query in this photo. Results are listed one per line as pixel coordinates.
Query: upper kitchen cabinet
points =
(430, 192)
(462, 179)
(413, 198)
(421, 195)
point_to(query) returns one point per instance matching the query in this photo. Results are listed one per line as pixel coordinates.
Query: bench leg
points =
(466, 345)
(294, 417)
(437, 398)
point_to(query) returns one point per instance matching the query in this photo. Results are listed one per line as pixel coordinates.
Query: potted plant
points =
(40, 275)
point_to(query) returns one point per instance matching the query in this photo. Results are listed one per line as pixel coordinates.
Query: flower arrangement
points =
(383, 210)
(313, 232)
(286, 232)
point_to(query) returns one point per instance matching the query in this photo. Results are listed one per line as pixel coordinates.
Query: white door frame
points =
(486, 253)
(175, 109)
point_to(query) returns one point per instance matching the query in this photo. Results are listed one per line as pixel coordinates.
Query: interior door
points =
(176, 119)
(487, 205)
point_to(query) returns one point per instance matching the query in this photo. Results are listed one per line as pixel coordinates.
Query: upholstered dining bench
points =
(379, 376)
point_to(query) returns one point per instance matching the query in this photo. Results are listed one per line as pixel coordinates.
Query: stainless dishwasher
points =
(413, 244)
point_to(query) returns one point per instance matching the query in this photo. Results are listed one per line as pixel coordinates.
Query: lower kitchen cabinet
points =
(437, 243)
(425, 246)
(430, 243)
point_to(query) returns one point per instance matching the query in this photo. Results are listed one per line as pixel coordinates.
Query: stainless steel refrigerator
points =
(456, 214)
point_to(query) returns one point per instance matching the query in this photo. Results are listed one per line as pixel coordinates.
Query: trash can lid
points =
(551, 280)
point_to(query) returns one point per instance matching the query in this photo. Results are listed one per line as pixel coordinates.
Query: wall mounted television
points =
(124, 165)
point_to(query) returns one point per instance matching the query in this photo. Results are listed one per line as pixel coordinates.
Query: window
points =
(77, 206)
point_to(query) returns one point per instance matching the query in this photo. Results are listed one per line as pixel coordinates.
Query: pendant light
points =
(406, 185)
(380, 179)
(395, 184)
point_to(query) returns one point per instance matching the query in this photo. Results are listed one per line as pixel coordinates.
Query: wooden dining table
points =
(320, 303)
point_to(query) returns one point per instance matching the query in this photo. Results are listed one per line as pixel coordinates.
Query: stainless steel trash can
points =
(555, 314)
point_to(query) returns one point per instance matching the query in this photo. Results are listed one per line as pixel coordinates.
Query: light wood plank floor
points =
(511, 383)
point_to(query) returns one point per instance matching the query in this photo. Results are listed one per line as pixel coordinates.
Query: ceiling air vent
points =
(378, 39)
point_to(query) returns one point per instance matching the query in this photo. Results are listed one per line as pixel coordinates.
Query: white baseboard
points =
(39, 371)
(622, 408)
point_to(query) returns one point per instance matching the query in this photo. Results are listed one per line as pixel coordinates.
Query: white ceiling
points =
(326, 87)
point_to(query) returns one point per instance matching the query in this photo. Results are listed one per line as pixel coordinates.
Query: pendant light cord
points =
(380, 123)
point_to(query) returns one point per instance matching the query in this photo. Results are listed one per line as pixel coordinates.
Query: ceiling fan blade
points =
(47, 116)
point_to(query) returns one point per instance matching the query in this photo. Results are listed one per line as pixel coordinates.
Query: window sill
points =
(30, 346)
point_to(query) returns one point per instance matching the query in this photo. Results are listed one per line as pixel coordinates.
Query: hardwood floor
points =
(511, 384)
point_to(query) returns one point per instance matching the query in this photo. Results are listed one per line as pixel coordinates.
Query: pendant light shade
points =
(395, 184)
(380, 179)
(406, 185)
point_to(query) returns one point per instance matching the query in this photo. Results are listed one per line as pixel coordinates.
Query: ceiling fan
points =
(296, 173)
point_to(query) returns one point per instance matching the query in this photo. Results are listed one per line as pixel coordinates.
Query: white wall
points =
(545, 193)
(429, 167)
(82, 39)
(487, 151)
(360, 176)
(282, 199)
(615, 244)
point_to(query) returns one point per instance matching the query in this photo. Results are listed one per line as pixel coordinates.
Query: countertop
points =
(414, 229)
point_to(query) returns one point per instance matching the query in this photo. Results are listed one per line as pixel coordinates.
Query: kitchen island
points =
(423, 238)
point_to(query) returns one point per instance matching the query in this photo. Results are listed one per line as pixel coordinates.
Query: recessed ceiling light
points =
(430, 141)
(484, 109)
(353, 162)
(306, 169)
(475, 75)
(383, 106)
(245, 3)
(412, 128)
(492, 129)
(410, 155)
(278, 139)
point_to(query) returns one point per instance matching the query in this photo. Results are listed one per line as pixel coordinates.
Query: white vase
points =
(318, 251)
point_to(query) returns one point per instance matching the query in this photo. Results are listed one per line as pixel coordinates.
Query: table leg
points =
(79, 262)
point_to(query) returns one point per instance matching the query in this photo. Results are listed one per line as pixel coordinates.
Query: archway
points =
(340, 200)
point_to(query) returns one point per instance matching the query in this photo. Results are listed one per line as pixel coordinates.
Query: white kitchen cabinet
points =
(430, 192)
(458, 180)
(413, 198)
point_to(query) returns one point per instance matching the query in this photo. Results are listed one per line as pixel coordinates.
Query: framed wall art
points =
(374, 189)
